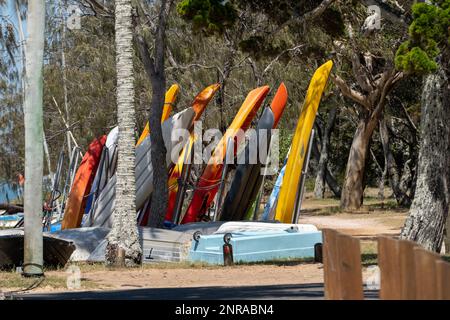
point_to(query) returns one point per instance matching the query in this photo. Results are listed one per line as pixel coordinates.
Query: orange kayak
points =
(199, 105)
(247, 178)
(207, 185)
(82, 184)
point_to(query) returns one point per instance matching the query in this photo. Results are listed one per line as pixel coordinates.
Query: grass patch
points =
(369, 254)
(278, 262)
(14, 281)
(95, 267)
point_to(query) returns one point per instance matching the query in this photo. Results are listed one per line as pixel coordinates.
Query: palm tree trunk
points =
(34, 156)
(123, 240)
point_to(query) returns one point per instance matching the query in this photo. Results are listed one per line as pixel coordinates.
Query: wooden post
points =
(443, 280)
(342, 266)
(330, 268)
(390, 273)
(407, 270)
(350, 270)
(426, 280)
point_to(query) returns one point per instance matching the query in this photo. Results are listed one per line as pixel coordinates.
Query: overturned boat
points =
(56, 251)
(257, 242)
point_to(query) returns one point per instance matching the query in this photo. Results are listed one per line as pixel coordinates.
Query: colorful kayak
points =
(298, 153)
(248, 178)
(199, 105)
(108, 161)
(104, 205)
(269, 209)
(82, 184)
(104, 170)
(171, 97)
(207, 185)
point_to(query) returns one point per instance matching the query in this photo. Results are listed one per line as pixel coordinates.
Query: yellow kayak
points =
(171, 97)
(292, 175)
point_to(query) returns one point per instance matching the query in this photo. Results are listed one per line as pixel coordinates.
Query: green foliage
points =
(211, 16)
(414, 60)
(428, 31)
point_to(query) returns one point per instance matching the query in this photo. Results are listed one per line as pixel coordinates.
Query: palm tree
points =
(123, 240)
(34, 154)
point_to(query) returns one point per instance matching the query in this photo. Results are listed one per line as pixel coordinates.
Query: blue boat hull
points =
(256, 247)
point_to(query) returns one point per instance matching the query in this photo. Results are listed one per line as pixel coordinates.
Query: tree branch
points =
(279, 56)
(350, 93)
(308, 16)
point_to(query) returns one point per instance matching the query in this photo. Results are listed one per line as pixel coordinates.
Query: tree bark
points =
(391, 167)
(34, 129)
(353, 189)
(429, 209)
(371, 107)
(154, 67)
(124, 236)
(329, 178)
(319, 187)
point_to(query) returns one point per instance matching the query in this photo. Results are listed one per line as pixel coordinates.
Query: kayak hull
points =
(82, 184)
(248, 178)
(104, 206)
(199, 105)
(207, 185)
(170, 98)
(299, 147)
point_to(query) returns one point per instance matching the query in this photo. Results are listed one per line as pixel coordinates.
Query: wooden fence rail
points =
(407, 271)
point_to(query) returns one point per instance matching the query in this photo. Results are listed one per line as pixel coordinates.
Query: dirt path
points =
(372, 220)
(363, 225)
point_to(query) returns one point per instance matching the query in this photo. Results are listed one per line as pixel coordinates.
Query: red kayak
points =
(82, 184)
(208, 183)
(199, 105)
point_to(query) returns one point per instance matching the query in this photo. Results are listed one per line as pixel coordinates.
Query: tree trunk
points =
(329, 178)
(391, 167)
(124, 236)
(34, 157)
(319, 187)
(353, 190)
(64, 78)
(158, 206)
(429, 210)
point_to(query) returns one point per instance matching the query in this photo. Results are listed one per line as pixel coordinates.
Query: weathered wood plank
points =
(426, 280)
(389, 262)
(349, 268)
(330, 264)
(407, 270)
(443, 280)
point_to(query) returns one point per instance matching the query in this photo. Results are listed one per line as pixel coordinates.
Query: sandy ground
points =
(361, 225)
(372, 220)
(204, 277)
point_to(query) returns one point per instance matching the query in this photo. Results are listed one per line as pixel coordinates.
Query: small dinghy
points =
(56, 251)
(257, 243)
